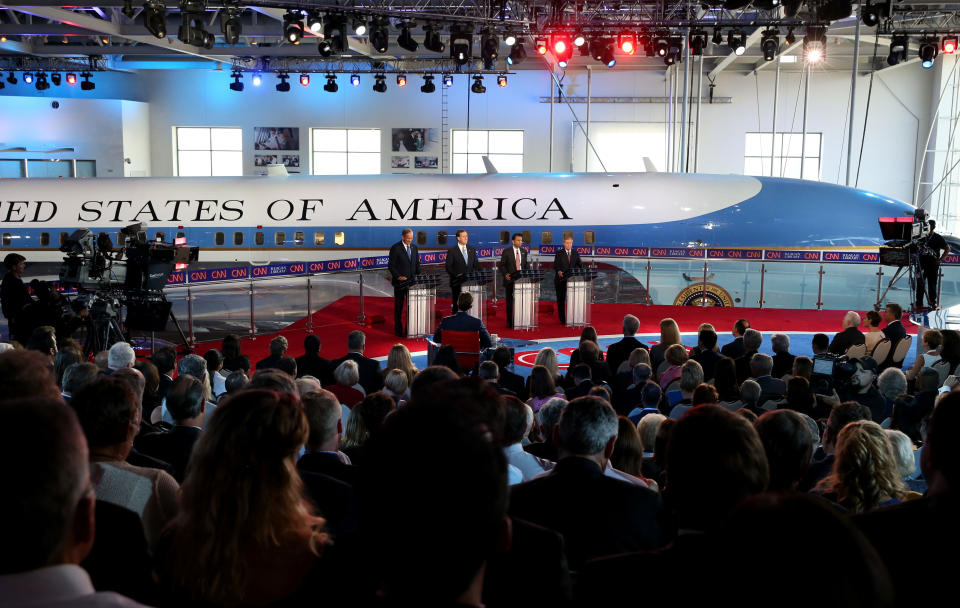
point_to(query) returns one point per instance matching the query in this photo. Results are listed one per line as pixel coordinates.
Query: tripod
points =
(102, 333)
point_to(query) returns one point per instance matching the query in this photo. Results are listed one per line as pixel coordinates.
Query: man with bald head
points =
(850, 335)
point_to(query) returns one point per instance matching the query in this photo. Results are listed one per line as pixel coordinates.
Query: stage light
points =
(660, 44)
(359, 27)
(949, 45)
(236, 85)
(12, 78)
(790, 37)
(304, 80)
(257, 80)
(927, 52)
(607, 53)
(461, 44)
(510, 39)
(42, 84)
(502, 81)
(405, 39)
(428, 86)
(401, 80)
(231, 25)
(3, 38)
(71, 79)
(517, 54)
(489, 49)
(872, 13)
(674, 49)
(27, 78)
(432, 41)
(898, 49)
(379, 35)
(627, 42)
(314, 23)
(815, 44)
(334, 36)
(832, 10)
(283, 86)
(380, 84)
(331, 86)
(717, 36)
(55, 79)
(192, 30)
(447, 80)
(87, 84)
(737, 42)
(541, 47)
(355, 79)
(155, 18)
(477, 86)
(698, 42)
(770, 44)
(293, 26)
(579, 39)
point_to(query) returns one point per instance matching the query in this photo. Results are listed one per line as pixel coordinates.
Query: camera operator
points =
(932, 252)
(14, 297)
(862, 388)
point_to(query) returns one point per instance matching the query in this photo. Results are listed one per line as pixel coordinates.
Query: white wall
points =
(136, 138)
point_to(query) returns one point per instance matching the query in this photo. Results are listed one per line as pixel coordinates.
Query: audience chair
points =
(943, 370)
(856, 351)
(467, 346)
(881, 350)
(900, 352)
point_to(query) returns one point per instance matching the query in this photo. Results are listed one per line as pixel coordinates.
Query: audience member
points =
(503, 357)
(43, 339)
(119, 356)
(48, 526)
(61, 362)
(547, 357)
(624, 378)
(307, 384)
(322, 454)
(232, 361)
(647, 431)
(447, 357)
(196, 366)
(399, 358)
(618, 352)
(312, 364)
(735, 349)
(749, 398)
(631, 397)
(25, 374)
(892, 383)
(100, 360)
(596, 515)
(873, 335)
(518, 420)
(365, 421)
(950, 350)
(628, 451)
(270, 379)
(799, 398)
(803, 367)
(771, 388)
(894, 331)
(590, 354)
(246, 532)
(819, 344)
(395, 385)
(426, 378)
(725, 380)
(669, 370)
(463, 321)
(601, 390)
(582, 381)
(849, 336)
(650, 402)
(287, 365)
(782, 359)
(368, 369)
(788, 444)
(278, 348)
(489, 371)
(547, 417)
(903, 454)
(752, 340)
(708, 357)
(235, 382)
(669, 335)
(840, 415)
(691, 377)
(214, 360)
(347, 376)
(165, 358)
(930, 345)
(704, 394)
(863, 390)
(151, 384)
(187, 406)
(76, 376)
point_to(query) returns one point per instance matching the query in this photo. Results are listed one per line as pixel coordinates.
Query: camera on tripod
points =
(831, 372)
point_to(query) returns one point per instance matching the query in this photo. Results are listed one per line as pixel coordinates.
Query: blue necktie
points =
(464, 252)
(409, 253)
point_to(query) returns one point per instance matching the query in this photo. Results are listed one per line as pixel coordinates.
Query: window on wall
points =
(785, 151)
(503, 148)
(345, 151)
(209, 151)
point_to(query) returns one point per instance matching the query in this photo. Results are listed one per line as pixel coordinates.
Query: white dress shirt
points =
(66, 586)
(530, 466)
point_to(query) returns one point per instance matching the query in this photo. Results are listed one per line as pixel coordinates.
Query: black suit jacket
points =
(508, 263)
(314, 365)
(328, 463)
(269, 362)
(535, 554)
(733, 349)
(708, 361)
(463, 321)
(402, 266)
(743, 366)
(174, 447)
(597, 515)
(371, 379)
(896, 332)
(515, 383)
(455, 264)
(618, 352)
(561, 264)
(120, 560)
(782, 364)
(165, 382)
(845, 339)
(335, 502)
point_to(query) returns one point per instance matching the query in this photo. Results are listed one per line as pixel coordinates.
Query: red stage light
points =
(305, 79)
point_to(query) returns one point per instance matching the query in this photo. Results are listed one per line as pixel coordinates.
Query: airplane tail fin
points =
(648, 165)
(488, 164)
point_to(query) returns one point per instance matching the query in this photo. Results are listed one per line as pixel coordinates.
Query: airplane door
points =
(259, 253)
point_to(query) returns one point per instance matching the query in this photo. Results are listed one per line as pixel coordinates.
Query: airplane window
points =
(441, 237)
(338, 237)
(7, 239)
(504, 237)
(421, 238)
(527, 237)
(181, 235)
(44, 239)
(258, 238)
(546, 238)
(279, 238)
(589, 237)
(567, 234)
(319, 238)
(298, 238)
(160, 237)
(238, 238)
(63, 237)
(218, 238)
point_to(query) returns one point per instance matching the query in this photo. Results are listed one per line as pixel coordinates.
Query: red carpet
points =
(337, 320)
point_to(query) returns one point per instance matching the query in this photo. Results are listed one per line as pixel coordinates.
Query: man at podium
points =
(404, 265)
(461, 258)
(512, 260)
(565, 260)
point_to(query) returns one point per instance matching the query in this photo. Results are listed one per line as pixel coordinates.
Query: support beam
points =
(752, 39)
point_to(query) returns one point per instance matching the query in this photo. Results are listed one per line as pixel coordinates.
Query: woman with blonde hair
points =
(399, 358)
(547, 357)
(246, 532)
(669, 335)
(865, 473)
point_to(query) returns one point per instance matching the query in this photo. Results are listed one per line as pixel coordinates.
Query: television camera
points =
(132, 275)
(905, 240)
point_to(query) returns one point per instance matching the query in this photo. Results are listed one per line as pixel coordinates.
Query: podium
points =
(579, 295)
(421, 300)
(475, 283)
(526, 299)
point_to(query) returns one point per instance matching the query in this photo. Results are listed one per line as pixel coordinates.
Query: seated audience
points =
(761, 368)
(647, 431)
(618, 352)
(650, 402)
(463, 321)
(669, 336)
(233, 359)
(119, 356)
(347, 376)
(503, 357)
(322, 454)
(708, 357)
(489, 371)
(892, 383)
(582, 381)
(840, 416)
(590, 354)
(187, 406)
(312, 364)
(447, 357)
(864, 474)
(306, 384)
(427, 377)
(930, 352)
(196, 366)
(903, 454)
(214, 368)
(782, 359)
(632, 396)
(798, 397)
(674, 358)
(850, 336)
(278, 348)
(624, 379)
(77, 375)
(872, 335)
(894, 331)
(602, 391)
(165, 358)
(287, 365)
(61, 362)
(518, 420)
(788, 444)
(596, 515)
(151, 384)
(547, 357)
(542, 387)
(725, 380)
(628, 451)
(863, 390)
(43, 340)
(365, 421)
(803, 367)
(547, 417)
(235, 383)
(735, 349)
(819, 344)
(704, 394)
(752, 340)
(270, 379)
(691, 377)
(399, 358)
(395, 385)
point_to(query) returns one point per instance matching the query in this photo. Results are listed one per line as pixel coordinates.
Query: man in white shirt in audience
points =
(517, 423)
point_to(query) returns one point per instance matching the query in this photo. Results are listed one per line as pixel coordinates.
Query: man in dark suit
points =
(735, 349)
(370, 377)
(563, 261)
(489, 371)
(186, 404)
(278, 349)
(512, 260)
(618, 352)
(404, 265)
(461, 258)
(761, 366)
(322, 454)
(312, 364)
(708, 357)
(752, 339)
(515, 382)
(782, 358)
(165, 358)
(582, 376)
(463, 321)
(850, 335)
(597, 515)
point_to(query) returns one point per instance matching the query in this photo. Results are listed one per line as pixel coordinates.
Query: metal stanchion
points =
(763, 273)
(820, 288)
(253, 327)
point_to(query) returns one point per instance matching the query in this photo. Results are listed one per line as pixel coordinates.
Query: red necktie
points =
(518, 259)
(568, 256)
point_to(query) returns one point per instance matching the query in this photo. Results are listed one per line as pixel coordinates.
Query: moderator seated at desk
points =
(463, 321)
